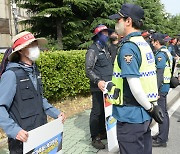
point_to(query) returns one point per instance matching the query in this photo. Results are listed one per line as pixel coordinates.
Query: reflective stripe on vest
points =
(168, 68)
(147, 70)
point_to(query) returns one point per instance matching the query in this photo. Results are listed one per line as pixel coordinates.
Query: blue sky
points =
(172, 6)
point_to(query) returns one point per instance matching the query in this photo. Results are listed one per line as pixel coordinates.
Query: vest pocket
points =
(28, 123)
(26, 91)
(28, 103)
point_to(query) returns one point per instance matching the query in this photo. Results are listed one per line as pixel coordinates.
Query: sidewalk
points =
(77, 139)
(77, 135)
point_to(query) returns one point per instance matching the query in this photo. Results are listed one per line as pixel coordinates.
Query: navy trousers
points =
(97, 116)
(134, 138)
(163, 128)
(15, 146)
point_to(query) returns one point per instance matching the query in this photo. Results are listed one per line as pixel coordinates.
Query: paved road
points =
(77, 136)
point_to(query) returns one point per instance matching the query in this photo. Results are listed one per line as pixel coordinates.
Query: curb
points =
(173, 95)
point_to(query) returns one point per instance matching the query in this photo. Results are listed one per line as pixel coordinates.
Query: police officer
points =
(178, 47)
(135, 82)
(163, 60)
(172, 49)
(98, 70)
(22, 104)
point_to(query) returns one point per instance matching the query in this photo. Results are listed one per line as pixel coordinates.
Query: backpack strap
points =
(4, 61)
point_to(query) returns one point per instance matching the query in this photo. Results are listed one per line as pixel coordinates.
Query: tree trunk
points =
(59, 33)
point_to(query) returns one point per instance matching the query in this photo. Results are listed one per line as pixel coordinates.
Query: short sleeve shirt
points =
(129, 60)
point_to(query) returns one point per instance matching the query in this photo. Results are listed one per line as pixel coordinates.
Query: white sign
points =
(110, 127)
(45, 139)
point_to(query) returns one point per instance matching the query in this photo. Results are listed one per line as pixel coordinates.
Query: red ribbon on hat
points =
(22, 40)
(100, 28)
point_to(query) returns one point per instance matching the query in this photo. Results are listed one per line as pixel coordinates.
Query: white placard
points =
(110, 127)
(45, 139)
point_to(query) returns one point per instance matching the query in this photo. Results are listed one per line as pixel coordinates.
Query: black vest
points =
(27, 107)
(103, 66)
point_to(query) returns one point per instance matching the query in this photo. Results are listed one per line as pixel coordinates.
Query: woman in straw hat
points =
(22, 105)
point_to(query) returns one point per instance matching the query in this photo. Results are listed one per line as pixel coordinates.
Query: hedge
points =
(63, 74)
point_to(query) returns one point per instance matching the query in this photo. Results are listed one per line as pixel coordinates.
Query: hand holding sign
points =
(22, 135)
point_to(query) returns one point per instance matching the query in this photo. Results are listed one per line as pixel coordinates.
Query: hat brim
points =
(167, 39)
(41, 43)
(115, 16)
(109, 33)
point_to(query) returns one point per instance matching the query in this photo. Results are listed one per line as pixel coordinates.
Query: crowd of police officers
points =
(135, 68)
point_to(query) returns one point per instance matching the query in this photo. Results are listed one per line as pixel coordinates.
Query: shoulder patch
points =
(128, 58)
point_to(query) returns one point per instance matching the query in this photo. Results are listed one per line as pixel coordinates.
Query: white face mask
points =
(34, 53)
(119, 27)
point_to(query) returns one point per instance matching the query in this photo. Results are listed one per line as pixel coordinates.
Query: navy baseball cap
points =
(167, 38)
(129, 10)
(157, 36)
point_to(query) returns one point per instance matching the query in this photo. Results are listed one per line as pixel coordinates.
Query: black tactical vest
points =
(27, 107)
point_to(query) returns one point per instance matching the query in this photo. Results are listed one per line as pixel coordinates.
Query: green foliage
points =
(63, 74)
(77, 19)
(173, 25)
(156, 18)
(52, 44)
(154, 14)
(71, 22)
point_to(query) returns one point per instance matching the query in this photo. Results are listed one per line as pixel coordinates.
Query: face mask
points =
(103, 39)
(34, 53)
(113, 38)
(119, 27)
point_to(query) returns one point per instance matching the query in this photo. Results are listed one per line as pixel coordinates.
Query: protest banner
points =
(45, 139)
(110, 127)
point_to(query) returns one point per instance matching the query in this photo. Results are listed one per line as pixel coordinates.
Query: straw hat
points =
(24, 39)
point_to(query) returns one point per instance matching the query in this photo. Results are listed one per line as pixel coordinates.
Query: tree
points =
(173, 25)
(154, 14)
(70, 22)
(158, 19)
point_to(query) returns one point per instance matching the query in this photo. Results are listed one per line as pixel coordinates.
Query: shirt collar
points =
(131, 35)
(162, 47)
